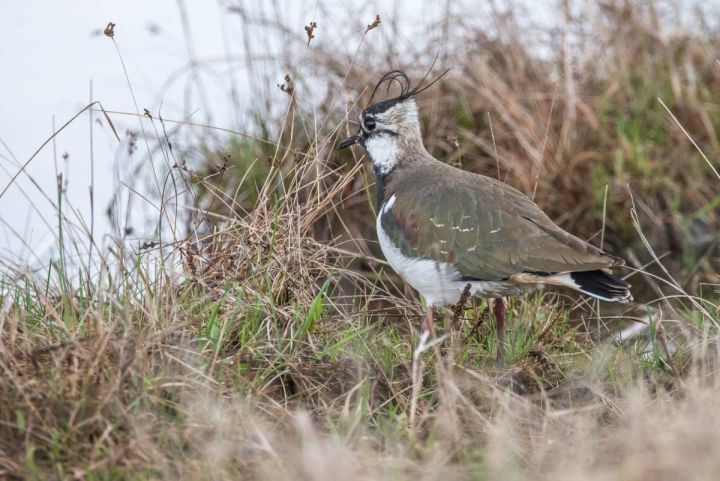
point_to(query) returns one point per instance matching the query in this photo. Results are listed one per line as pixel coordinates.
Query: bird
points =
(446, 231)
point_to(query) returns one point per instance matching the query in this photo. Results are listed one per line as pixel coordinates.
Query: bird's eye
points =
(369, 123)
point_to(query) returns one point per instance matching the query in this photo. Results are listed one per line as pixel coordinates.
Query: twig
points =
(460, 306)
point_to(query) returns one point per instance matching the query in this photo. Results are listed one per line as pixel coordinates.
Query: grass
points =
(260, 335)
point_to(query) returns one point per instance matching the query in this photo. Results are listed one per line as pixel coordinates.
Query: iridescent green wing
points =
(487, 229)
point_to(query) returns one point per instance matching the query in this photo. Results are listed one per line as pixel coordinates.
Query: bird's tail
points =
(599, 284)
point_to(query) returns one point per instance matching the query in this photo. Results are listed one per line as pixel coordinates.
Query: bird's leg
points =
(499, 310)
(428, 321)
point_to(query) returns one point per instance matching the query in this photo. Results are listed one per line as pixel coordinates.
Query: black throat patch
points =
(380, 183)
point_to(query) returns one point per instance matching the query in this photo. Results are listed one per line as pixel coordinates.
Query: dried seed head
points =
(310, 30)
(109, 30)
(287, 87)
(374, 24)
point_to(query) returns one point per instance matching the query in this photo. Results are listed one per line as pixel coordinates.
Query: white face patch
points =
(383, 150)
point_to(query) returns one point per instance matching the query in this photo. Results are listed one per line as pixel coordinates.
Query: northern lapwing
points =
(442, 228)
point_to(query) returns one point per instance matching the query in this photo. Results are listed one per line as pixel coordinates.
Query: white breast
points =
(434, 280)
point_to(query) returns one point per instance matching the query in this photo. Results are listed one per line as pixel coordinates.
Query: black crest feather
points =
(406, 89)
(393, 76)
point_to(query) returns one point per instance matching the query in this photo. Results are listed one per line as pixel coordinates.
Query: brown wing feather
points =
(488, 229)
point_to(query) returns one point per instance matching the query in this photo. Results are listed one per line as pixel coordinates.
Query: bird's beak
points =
(349, 141)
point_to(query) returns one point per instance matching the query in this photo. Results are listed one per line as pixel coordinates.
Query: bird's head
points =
(390, 126)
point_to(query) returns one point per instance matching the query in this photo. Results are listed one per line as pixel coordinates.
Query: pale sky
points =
(51, 51)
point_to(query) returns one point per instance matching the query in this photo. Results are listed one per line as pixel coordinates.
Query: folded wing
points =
(487, 229)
